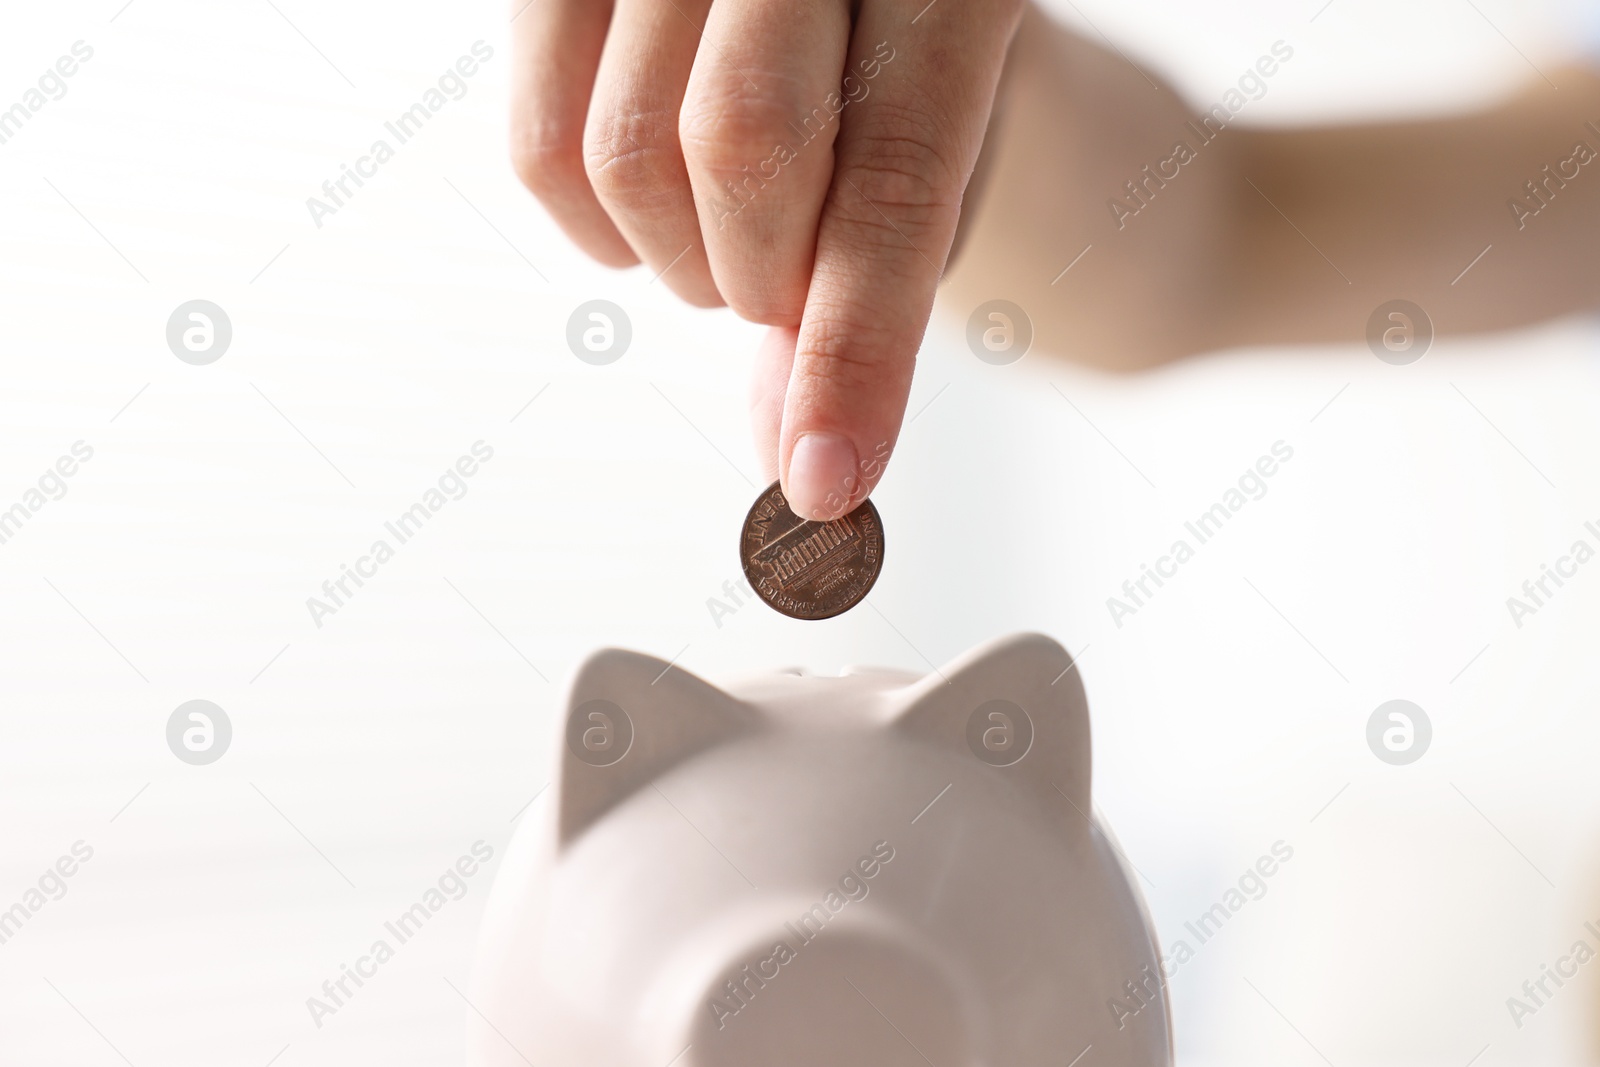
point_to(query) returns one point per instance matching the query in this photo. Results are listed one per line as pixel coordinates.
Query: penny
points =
(807, 569)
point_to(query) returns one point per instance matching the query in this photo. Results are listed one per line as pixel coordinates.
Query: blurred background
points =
(430, 312)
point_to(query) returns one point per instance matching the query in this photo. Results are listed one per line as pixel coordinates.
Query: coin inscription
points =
(807, 569)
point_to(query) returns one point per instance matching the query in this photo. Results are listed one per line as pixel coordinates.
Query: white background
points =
(370, 753)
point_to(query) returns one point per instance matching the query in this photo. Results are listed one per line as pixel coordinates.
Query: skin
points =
(630, 116)
(1400, 210)
(650, 131)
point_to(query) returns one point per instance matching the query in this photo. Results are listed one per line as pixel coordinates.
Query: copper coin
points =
(807, 569)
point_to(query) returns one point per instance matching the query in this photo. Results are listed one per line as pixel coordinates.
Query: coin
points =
(807, 569)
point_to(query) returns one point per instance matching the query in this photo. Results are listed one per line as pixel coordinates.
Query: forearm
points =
(1267, 236)
(1076, 124)
(1406, 211)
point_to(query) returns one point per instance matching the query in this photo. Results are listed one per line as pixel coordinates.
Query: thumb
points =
(904, 152)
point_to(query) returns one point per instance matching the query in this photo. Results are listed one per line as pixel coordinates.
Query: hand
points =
(802, 161)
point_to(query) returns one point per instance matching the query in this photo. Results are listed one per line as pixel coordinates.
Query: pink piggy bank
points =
(797, 871)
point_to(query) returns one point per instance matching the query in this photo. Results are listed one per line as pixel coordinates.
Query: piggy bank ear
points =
(630, 718)
(1016, 704)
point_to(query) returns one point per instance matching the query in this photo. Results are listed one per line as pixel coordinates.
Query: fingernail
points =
(823, 481)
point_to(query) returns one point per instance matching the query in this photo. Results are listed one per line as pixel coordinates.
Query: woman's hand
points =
(802, 161)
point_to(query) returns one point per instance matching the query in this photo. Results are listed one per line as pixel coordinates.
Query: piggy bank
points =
(876, 869)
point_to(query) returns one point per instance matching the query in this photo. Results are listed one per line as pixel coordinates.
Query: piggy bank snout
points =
(847, 997)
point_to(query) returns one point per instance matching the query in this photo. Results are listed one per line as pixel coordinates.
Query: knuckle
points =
(631, 156)
(898, 161)
(843, 356)
(733, 127)
(893, 180)
(545, 159)
(882, 240)
(880, 207)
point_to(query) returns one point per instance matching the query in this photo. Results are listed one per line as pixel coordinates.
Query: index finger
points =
(903, 157)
